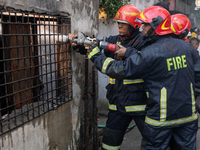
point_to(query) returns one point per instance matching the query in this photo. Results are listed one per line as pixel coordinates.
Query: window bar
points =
(1, 105)
(55, 60)
(58, 65)
(30, 55)
(11, 72)
(50, 66)
(62, 60)
(40, 57)
(46, 65)
(4, 68)
(57, 52)
(11, 68)
(35, 42)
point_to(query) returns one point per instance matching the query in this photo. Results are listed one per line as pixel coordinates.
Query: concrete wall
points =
(54, 131)
(107, 28)
(186, 9)
(59, 129)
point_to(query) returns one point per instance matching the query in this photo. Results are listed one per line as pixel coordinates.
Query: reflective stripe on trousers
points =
(133, 108)
(127, 81)
(107, 147)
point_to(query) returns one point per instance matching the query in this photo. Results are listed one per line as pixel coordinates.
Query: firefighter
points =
(180, 26)
(170, 69)
(127, 98)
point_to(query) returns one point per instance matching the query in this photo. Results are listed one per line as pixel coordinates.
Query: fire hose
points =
(88, 42)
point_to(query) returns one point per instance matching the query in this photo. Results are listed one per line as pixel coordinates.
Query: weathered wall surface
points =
(186, 9)
(50, 131)
(58, 129)
(84, 14)
(112, 29)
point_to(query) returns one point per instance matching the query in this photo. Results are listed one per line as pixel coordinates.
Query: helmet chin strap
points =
(183, 34)
(154, 24)
(148, 33)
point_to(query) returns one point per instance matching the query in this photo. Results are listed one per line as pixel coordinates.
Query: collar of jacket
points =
(153, 39)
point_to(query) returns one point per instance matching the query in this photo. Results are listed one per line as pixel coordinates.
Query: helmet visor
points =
(139, 21)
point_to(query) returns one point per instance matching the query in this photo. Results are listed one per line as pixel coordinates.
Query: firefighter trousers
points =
(116, 126)
(180, 138)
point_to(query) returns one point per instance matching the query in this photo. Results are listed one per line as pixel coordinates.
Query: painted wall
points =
(59, 129)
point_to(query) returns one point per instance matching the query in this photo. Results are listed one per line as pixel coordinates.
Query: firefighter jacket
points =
(126, 96)
(170, 69)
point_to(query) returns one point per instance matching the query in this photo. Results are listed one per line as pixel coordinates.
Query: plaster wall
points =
(185, 8)
(50, 131)
(59, 129)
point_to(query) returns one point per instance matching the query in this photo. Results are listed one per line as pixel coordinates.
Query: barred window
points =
(35, 66)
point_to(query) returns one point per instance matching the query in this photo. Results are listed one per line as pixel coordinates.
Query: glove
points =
(82, 50)
(91, 48)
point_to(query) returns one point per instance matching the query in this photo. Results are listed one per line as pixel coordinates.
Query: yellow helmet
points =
(193, 34)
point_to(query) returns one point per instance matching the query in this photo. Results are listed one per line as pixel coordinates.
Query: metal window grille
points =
(35, 66)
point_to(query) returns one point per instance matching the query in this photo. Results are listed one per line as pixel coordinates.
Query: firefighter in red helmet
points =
(171, 73)
(180, 26)
(127, 14)
(127, 98)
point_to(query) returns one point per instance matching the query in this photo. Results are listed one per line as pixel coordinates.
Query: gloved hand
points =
(77, 48)
(71, 37)
(74, 45)
(119, 54)
(91, 48)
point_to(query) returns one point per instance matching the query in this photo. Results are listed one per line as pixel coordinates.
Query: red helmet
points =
(158, 17)
(180, 25)
(128, 14)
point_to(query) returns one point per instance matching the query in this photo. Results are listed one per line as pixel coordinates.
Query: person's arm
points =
(196, 59)
(124, 52)
(133, 67)
(129, 52)
(197, 80)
